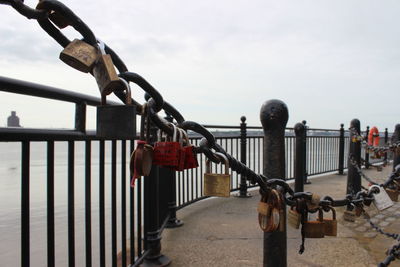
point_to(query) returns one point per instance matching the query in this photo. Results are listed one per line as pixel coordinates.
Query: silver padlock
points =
(381, 200)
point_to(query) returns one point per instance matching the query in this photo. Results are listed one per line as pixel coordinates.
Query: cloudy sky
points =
(329, 61)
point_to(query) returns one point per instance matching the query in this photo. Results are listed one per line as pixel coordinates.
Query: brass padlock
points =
(270, 217)
(315, 229)
(294, 217)
(117, 121)
(79, 55)
(104, 73)
(331, 224)
(217, 185)
(349, 215)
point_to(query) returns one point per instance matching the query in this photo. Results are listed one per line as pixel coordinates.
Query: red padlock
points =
(167, 153)
(190, 157)
(181, 162)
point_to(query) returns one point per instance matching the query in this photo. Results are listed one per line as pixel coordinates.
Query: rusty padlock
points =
(217, 185)
(315, 229)
(79, 55)
(294, 217)
(269, 209)
(166, 153)
(142, 157)
(330, 228)
(104, 72)
(117, 121)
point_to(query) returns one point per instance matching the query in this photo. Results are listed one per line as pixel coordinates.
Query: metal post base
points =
(160, 261)
(174, 223)
(307, 182)
(247, 195)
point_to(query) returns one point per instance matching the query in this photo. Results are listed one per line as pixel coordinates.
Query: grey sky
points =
(330, 61)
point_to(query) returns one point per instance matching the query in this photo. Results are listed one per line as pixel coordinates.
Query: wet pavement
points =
(225, 232)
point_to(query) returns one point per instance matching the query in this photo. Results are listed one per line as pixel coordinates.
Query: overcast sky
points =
(329, 61)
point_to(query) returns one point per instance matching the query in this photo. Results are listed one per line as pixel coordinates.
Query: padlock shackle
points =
(225, 161)
(128, 95)
(74, 21)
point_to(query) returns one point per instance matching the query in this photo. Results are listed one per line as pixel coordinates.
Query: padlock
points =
(217, 185)
(117, 121)
(166, 153)
(104, 73)
(294, 217)
(190, 157)
(381, 200)
(79, 55)
(349, 215)
(315, 229)
(330, 228)
(142, 157)
(181, 152)
(269, 215)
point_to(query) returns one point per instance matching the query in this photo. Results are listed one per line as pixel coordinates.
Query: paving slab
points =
(225, 232)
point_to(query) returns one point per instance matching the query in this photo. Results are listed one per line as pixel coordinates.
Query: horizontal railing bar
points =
(29, 134)
(33, 89)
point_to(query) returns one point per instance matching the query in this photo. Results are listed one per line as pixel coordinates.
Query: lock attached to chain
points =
(217, 185)
(104, 72)
(381, 199)
(79, 55)
(270, 212)
(330, 228)
(142, 157)
(190, 160)
(294, 217)
(315, 229)
(117, 121)
(167, 153)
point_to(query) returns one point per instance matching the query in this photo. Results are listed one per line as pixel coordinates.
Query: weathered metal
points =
(366, 150)
(353, 177)
(396, 138)
(299, 171)
(274, 116)
(341, 150)
(243, 144)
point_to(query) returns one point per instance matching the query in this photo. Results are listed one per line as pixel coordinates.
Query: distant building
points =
(13, 120)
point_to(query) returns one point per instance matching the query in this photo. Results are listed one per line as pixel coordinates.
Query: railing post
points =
(385, 157)
(243, 155)
(299, 170)
(170, 175)
(305, 153)
(366, 150)
(274, 116)
(396, 138)
(353, 177)
(152, 226)
(80, 117)
(341, 150)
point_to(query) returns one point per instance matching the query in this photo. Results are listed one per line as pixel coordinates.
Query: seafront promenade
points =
(225, 232)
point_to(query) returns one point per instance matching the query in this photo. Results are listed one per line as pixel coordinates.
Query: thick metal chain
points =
(376, 149)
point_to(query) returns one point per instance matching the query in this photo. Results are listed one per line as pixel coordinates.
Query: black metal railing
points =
(121, 222)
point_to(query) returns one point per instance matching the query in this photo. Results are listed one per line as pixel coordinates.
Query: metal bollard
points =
(396, 138)
(385, 157)
(243, 141)
(341, 150)
(366, 150)
(299, 159)
(305, 153)
(353, 177)
(274, 116)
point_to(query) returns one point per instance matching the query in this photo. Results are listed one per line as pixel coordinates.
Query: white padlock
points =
(381, 200)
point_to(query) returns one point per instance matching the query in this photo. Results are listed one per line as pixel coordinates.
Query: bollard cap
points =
(274, 114)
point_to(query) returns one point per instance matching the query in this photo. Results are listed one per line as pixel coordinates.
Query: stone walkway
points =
(225, 232)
